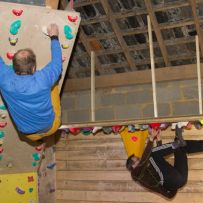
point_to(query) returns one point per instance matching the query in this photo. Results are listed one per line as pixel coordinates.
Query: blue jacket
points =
(28, 97)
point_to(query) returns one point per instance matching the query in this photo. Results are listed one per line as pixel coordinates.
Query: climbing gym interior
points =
(129, 66)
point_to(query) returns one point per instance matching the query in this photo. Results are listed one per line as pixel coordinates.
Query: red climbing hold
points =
(3, 124)
(116, 128)
(74, 131)
(30, 179)
(10, 55)
(1, 150)
(17, 12)
(155, 125)
(72, 19)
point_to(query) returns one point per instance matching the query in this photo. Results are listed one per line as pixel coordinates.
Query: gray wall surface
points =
(174, 98)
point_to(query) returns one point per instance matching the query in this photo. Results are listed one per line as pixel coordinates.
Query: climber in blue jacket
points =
(31, 95)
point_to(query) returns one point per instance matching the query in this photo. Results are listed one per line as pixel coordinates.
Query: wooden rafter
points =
(157, 31)
(133, 78)
(116, 29)
(197, 23)
(89, 49)
(52, 3)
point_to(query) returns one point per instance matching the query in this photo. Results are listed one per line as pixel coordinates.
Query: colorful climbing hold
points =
(2, 134)
(72, 19)
(15, 26)
(3, 124)
(1, 141)
(9, 165)
(68, 32)
(36, 156)
(13, 42)
(17, 12)
(116, 128)
(74, 131)
(34, 163)
(30, 190)
(154, 125)
(63, 58)
(1, 157)
(10, 55)
(134, 138)
(30, 179)
(1, 150)
(3, 116)
(20, 191)
(39, 148)
(51, 166)
(2, 107)
(64, 46)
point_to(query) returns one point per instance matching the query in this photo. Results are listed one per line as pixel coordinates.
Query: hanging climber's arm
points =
(51, 72)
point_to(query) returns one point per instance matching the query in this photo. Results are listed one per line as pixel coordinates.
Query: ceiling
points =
(116, 30)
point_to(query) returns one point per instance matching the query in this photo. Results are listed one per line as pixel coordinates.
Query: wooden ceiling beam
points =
(157, 31)
(89, 49)
(133, 12)
(116, 29)
(162, 26)
(85, 3)
(197, 24)
(52, 3)
(133, 78)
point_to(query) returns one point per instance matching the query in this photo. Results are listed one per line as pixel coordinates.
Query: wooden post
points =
(92, 86)
(152, 66)
(198, 74)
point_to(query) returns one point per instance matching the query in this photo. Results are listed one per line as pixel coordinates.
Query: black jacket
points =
(147, 176)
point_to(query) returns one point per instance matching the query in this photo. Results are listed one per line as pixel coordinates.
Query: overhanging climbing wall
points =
(21, 26)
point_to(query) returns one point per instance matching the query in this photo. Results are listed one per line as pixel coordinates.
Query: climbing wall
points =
(24, 26)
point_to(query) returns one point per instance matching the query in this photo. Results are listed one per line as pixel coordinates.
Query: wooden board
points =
(92, 169)
(30, 35)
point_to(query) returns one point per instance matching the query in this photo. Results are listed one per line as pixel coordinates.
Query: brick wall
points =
(175, 98)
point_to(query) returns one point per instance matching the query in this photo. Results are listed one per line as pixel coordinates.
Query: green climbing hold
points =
(2, 135)
(2, 107)
(34, 163)
(36, 156)
(30, 189)
(15, 26)
(1, 157)
(67, 29)
(68, 32)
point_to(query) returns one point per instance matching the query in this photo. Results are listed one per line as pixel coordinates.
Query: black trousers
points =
(174, 176)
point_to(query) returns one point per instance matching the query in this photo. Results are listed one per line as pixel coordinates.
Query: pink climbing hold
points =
(134, 138)
(3, 124)
(72, 19)
(1, 150)
(17, 12)
(63, 59)
(10, 55)
(39, 148)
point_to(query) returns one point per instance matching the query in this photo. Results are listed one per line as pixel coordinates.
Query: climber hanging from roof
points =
(32, 95)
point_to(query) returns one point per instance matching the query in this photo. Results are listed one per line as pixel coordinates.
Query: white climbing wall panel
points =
(17, 155)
